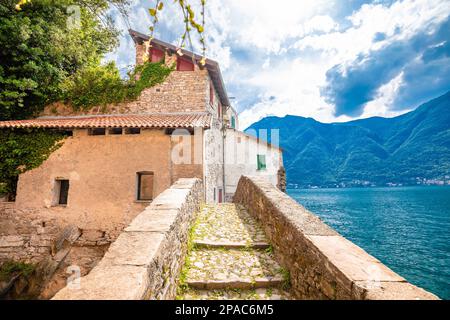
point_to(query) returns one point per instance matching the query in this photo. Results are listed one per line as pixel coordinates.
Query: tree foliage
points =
(42, 44)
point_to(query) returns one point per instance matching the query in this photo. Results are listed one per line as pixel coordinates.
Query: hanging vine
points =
(190, 24)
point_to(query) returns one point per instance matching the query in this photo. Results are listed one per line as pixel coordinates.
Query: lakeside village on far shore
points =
(368, 184)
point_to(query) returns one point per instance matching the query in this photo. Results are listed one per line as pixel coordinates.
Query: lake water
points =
(408, 228)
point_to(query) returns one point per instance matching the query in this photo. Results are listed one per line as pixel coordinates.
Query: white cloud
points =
(299, 92)
(275, 55)
(379, 107)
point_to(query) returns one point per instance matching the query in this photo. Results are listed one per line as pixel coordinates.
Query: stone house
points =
(118, 158)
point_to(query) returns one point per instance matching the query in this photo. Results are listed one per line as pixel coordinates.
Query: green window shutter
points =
(233, 122)
(261, 158)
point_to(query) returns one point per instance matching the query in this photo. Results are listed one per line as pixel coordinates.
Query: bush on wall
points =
(102, 85)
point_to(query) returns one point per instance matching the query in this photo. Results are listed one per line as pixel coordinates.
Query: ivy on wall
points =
(102, 85)
(22, 150)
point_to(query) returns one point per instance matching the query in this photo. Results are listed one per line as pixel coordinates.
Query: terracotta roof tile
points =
(161, 120)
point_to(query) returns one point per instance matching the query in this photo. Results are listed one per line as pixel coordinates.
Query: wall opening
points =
(115, 131)
(97, 131)
(61, 192)
(132, 130)
(145, 186)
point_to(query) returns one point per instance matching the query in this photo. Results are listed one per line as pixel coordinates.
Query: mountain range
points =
(410, 149)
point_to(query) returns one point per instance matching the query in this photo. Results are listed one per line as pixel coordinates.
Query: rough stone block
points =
(109, 283)
(134, 248)
(392, 291)
(154, 220)
(11, 241)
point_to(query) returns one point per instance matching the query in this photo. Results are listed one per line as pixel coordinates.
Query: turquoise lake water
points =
(408, 228)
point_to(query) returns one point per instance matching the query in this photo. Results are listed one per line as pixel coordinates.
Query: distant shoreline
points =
(368, 187)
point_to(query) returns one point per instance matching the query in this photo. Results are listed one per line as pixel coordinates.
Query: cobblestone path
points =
(230, 258)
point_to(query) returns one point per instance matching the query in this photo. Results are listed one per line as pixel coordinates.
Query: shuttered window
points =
(156, 55)
(145, 186)
(261, 159)
(184, 65)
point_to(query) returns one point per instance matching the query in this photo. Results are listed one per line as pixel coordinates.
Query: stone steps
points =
(231, 258)
(237, 294)
(231, 244)
(243, 284)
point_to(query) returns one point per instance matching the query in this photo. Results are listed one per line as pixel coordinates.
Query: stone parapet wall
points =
(145, 260)
(322, 264)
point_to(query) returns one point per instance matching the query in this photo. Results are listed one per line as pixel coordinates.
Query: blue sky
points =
(333, 60)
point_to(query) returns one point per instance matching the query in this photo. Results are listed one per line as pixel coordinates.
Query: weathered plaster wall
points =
(241, 153)
(102, 173)
(322, 263)
(187, 154)
(145, 260)
(213, 163)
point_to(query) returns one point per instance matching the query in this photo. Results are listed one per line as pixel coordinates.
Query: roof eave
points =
(211, 65)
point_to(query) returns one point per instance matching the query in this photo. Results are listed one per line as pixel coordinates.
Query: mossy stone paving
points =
(237, 294)
(231, 259)
(227, 222)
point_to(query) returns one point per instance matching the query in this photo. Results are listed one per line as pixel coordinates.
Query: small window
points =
(145, 186)
(220, 195)
(97, 132)
(156, 55)
(114, 131)
(233, 122)
(261, 158)
(61, 191)
(184, 65)
(132, 130)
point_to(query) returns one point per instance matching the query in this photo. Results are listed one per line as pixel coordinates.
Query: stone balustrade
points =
(145, 260)
(322, 264)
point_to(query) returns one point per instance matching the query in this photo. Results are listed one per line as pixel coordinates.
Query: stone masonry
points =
(145, 260)
(322, 263)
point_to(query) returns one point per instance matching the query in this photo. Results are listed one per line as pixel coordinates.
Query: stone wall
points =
(145, 260)
(50, 245)
(25, 236)
(322, 263)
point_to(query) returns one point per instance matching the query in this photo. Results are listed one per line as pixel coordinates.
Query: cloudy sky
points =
(333, 60)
